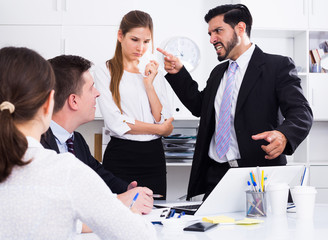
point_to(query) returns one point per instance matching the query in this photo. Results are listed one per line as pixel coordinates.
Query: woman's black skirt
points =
(141, 161)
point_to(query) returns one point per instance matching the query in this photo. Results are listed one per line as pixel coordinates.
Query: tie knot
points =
(70, 145)
(233, 66)
(69, 141)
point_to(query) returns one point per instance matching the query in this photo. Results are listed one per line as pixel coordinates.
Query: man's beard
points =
(230, 45)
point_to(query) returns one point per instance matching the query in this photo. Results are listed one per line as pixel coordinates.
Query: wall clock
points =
(186, 50)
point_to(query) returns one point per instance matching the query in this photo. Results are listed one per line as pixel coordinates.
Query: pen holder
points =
(256, 204)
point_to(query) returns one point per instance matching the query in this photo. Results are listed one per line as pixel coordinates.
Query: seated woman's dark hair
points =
(26, 80)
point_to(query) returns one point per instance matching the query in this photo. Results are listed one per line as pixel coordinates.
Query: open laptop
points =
(229, 194)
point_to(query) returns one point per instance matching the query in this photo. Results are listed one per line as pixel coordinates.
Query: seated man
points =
(75, 100)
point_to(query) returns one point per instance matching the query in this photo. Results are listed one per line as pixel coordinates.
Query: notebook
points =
(229, 194)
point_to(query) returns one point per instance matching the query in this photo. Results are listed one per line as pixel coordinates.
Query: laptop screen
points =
(229, 194)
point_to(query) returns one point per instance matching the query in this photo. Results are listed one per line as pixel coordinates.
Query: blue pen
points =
(134, 200)
(181, 214)
(303, 176)
(255, 185)
(171, 213)
(157, 222)
(249, 186)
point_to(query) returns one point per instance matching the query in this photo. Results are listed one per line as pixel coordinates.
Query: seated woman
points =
(42, 193)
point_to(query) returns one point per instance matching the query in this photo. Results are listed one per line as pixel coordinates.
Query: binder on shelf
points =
(179, 146)
(324, 46)
(312, 58)
(316, 56)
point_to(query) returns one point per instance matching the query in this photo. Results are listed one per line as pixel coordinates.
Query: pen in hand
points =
(157, 196)
(134, 200)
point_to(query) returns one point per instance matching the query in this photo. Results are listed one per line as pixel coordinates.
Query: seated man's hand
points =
(86, 229)
(144, 202)
(132, 185)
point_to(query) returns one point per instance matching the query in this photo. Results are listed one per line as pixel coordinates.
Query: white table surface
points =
(274, 227)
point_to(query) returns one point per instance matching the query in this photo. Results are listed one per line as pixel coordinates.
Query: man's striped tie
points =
(70, 145)
(222, 137)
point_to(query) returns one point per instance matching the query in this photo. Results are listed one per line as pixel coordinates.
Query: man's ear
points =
(241, 28)
(72, 101)
(49, 104)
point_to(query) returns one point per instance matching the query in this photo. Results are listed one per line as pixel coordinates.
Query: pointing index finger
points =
(165, 53)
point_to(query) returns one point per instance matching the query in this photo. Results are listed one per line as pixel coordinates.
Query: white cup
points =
(278, 195)
(304, 199)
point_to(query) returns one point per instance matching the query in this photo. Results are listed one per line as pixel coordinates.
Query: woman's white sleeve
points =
(115, 121)
(164, 96)
(100, 210)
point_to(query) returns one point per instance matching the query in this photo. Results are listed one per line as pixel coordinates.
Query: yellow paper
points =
(247, 221)
(219, 219)
(225, 219)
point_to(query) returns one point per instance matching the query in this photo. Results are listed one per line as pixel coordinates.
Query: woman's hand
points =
(163, 129)
(166, 127)
(151, 71)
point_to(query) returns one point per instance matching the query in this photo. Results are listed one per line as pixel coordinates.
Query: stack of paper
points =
(179, 146)
(228, 220)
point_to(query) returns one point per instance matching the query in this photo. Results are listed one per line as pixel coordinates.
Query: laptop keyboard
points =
(188, 208)
(195, 206)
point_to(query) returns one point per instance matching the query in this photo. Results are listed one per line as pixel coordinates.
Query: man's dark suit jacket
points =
(270, 98)
(82, 152)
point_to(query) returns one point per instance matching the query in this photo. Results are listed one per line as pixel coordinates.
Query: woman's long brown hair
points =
(26, 80)
(133, 19)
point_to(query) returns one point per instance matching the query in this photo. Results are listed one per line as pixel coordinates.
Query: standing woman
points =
(42, 193)
(134, 106)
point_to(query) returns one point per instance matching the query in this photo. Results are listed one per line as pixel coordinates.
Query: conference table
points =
(285, 227)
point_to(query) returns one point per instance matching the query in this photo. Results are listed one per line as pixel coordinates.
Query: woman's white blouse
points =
(134, 103)
(44, 199)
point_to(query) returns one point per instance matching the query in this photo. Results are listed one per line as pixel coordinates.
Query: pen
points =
(181, 214)
(303, 176)
(262, 181)
(171, 213)
(134, 200)
(157, 196)
(257, 208)
(157, 222)
(265, 183)
(250, 186)
(165, 213)
(255, 185)
(258, 178)
(253, 181)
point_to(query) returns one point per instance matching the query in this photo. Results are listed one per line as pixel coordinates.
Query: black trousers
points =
(142, 161)
(215, 173)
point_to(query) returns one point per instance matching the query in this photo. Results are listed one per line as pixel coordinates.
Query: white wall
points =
(89, 28)
(77, 24)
